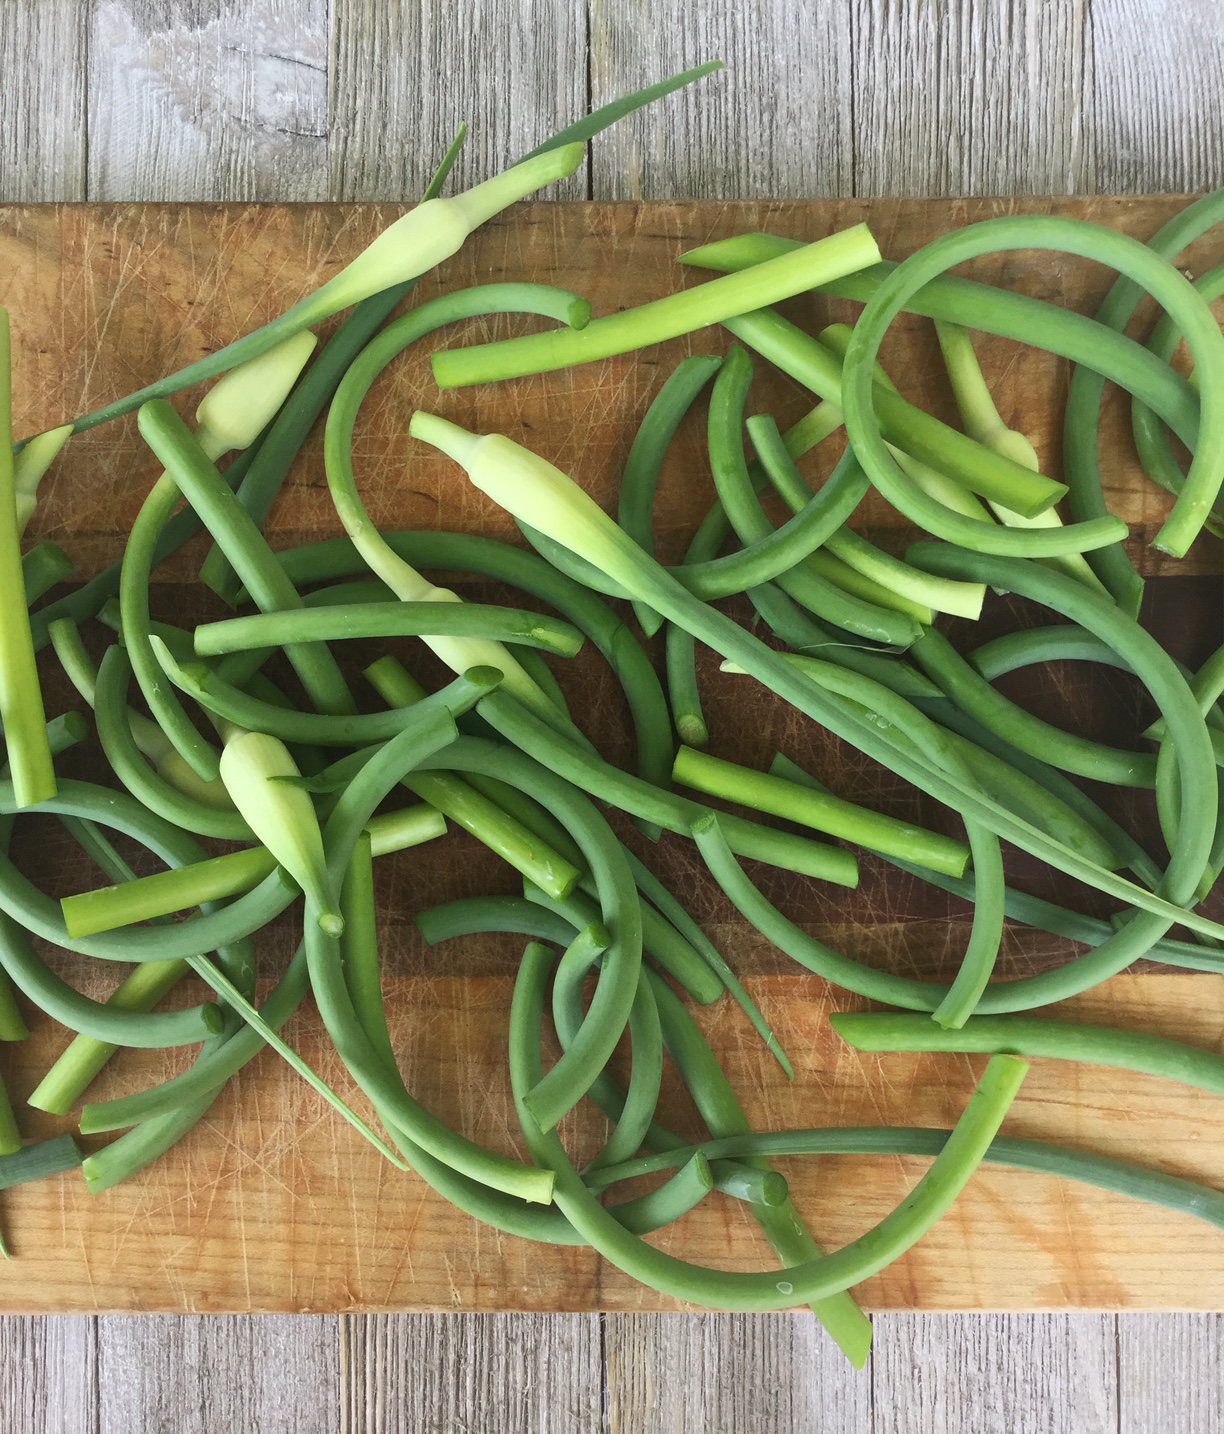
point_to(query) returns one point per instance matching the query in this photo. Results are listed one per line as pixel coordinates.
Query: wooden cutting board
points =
(272, 1204)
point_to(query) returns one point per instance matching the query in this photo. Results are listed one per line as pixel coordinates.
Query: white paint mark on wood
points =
(233, 106)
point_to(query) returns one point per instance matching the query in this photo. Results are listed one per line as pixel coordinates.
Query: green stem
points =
(1029, 1036)
(1134, 1181)
(667, 809)
(528, 853)
(459, 653)
(134, 580)
(952, 453)
(396, 618)
(1132, 259)
(667, 318)
(359, 948)
(41, 568)
(874, 830)
(21, 701)
(194, 475)
(75, 1070)
(635, 509)
(810, 1281)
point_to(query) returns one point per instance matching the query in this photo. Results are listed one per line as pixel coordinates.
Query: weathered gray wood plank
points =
(405, 75)
(1169, 1373)
(734, 1374)
(482, 1374)
(48, 1375)
(42, 100)
(1006, 1374)
(199, 1374)
(1154, 103)
(208, 102)
(775, 124)
(969, 97)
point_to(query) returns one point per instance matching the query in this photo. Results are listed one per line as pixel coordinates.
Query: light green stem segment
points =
(529, 854)
(822, 812)
(984, 424)
(220, 877)
(21, 703)
(405, 618)
(1030, 1036)
(916, 432)
(41, 568)
(883, 570)
(69, 1078)
(679, 313)
(10, 1136)
(190, 467)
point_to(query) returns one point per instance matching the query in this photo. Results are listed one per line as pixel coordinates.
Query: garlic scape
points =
(29, 466)
(281, 814)
(419, 241)
(240, 405)
(983, 424)
(232, 414)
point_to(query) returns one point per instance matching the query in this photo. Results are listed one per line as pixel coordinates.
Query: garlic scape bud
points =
(436, 229)
(281, 815)
(29, 466)
(534, 491)
(430, 233)
(240, 405)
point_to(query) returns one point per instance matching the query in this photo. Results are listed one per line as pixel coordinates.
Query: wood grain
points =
(195, 1376)
(1169, 1373)
(1124, 100)
(273, 1205)
(42, 100)
(737, 1374)
(751, 131)
(964, 98)
(49, 1369)
(1015, 1374)
(1153, 105)
(417, 71)
(483, 1374)
(178, 75)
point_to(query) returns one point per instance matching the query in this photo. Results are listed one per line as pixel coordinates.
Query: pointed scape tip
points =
(455, 442)
(568, 157)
